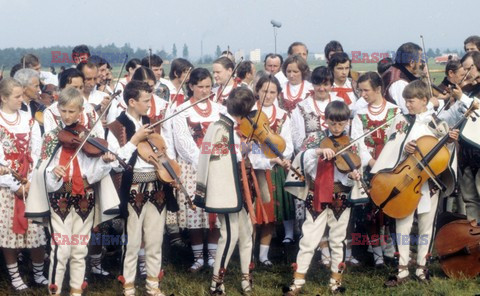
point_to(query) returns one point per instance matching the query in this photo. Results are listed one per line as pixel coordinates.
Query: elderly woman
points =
(30, 81)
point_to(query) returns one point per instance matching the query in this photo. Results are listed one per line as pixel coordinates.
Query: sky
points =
(362, 25)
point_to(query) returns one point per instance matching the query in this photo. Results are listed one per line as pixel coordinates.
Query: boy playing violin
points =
(74, 185)
(325, 191)
(403, 135)
(143, 196)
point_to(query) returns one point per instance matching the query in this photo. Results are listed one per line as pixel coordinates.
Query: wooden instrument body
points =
(398, 192)
(458, 247)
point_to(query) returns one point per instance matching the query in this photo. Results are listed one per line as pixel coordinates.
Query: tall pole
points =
(275, 37)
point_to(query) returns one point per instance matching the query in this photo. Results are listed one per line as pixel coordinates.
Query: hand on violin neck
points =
(285, 163)
(141, 135)
(410, 147)
(108, 157)
(325, 153)
(59, 171)
(4, 170)
(453, 135)
(104, 103)
(354, 175)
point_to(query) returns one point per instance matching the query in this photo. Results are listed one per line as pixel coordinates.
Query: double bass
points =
(458, 247)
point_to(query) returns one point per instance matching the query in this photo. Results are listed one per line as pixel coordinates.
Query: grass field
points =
(269, 282)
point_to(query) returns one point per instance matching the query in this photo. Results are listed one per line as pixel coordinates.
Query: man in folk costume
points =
(74, 198)
(219, 189)
(402, 136)
(469, 180)
(325, 191)
(154, 62)
(340, 66)
(377, 112)
(407, 68)
(246, 74)
(143, 196)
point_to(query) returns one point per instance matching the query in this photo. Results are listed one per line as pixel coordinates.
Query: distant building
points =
(255, 55)
(443, 59)
(319, 56)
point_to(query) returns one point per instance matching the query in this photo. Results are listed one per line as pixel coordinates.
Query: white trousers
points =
(424, 239)
(148, 226)
(234, 227)
(71, 236)
(312, 232)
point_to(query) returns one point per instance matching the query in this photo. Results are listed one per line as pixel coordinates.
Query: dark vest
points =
(393, 74)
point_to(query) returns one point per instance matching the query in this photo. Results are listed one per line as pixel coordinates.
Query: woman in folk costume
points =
(219, 189)
(402, 136)
(308, 124)
(340, 66)
(76, 198)
(179, 72)
(189, 129)
(144, 198)
(281, 207)
(325, 191)
(20, 150)
(377, 112)
(222, 71)
(297, 87)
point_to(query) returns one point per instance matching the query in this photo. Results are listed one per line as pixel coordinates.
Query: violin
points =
(347, 160)
(457, 244)
(256, 126)
(154, 151)
(72, 137)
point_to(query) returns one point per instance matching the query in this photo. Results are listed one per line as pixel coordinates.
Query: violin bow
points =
(461, 81)
(85, 139)
(229, 78)
(182, 84)
(118, 81)
(426, 66)
(366, 135)
(150, 58)
(176, 113)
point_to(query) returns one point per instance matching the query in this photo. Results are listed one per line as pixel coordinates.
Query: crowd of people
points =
(148, 157)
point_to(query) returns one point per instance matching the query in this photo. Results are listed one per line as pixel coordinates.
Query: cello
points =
(398, 192)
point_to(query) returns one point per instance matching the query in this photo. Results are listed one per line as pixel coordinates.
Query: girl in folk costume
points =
(325, 191)
(189, 129)
(222, 71)
(281, 207)
(219, 190)
(20, 150)
(308, 124)
(377, 112)
(297, 87)
(79, 197)
(402, 142)
(179, 72)
(143, 196)
(52, 119)
(340, 66)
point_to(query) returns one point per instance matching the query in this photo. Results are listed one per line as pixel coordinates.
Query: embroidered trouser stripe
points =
(72, 245)
(234, 227)
(425, 234)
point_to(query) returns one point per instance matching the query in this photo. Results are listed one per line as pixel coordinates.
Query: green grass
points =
(269, 282)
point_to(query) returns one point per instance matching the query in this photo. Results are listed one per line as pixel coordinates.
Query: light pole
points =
(275, 24)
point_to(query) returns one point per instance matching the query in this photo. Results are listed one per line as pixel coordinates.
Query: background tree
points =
(174, 51)
(218, 51)
(185, 51)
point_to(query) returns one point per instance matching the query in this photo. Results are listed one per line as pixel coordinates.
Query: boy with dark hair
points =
(219, 189)
(325, 191)
(143, 195)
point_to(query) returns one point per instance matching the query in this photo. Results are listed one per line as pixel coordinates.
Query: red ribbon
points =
(342, 92)
(323, 191)
(77, 180)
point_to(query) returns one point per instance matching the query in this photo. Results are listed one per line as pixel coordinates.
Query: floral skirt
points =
(34, 236)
